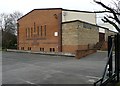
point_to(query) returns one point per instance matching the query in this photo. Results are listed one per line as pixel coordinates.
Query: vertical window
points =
(26, 32)
(41, 30)
(29, 48)
(53, 49)
(34, 27)
(38, 30)
(42, 49)
(50, 49)
(45, 30)
(22, 48)
(31, 31)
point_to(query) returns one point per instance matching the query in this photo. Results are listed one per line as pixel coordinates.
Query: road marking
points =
(91, 80)
(93, 77)
(29, 82)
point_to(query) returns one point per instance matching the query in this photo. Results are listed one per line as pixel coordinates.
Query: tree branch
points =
(110, 9)
(112, 23)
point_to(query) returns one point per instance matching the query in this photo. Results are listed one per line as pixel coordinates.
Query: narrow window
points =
(53, 49)
(38, 30)
(45, 30)
(26, 32)
(22, 48)
(41, 30)
(40, 49)
(31, 31)
(30, 48)
(50, 49)
(34, 27)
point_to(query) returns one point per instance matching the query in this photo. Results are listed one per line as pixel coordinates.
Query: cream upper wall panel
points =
(71, 15)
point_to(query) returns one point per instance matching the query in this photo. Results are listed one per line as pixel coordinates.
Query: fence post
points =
(117, 65)
(118, 37)
(110, 55)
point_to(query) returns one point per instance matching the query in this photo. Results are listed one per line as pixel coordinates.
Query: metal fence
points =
(112, 67)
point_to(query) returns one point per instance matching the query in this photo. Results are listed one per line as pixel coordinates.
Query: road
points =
(27, 68)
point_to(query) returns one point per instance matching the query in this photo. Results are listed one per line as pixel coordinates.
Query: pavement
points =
(28, 68)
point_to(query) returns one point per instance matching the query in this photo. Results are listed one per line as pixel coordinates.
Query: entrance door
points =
(101, 37)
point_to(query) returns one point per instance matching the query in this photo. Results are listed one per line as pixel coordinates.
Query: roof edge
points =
(39, 9)
(79, 21)
(88, 23)
(78, 11)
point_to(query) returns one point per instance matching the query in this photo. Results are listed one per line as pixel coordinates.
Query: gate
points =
(112, 67)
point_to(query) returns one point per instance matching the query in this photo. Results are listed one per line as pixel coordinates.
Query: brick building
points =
(57, 30)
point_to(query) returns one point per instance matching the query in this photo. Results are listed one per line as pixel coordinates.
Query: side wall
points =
(78, 36)
(69, 37)
(39, 30)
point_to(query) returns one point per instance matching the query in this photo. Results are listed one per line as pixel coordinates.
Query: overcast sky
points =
(24, 6)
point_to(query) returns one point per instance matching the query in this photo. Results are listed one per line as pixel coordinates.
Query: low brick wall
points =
(104, 46)
(44, 53)
(82, 53)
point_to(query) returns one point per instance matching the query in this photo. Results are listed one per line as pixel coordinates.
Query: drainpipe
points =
(60, 33)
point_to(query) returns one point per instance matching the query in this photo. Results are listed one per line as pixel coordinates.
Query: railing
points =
(113, 43)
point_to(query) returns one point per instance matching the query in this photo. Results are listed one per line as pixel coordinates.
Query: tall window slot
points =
(26, 32)
(34, 27)
(45, 30)
(41, 30)
(38, 30)
(31, 31)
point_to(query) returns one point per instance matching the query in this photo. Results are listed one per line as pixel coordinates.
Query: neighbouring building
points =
(57, 30)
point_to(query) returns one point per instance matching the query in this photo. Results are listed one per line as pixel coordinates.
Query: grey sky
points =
(24, 6)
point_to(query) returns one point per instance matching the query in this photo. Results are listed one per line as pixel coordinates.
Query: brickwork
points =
(39, 30)
(83, 53)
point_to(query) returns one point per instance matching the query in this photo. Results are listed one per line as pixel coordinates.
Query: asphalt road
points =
(26, 68)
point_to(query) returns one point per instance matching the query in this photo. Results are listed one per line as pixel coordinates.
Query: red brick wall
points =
(51, 19)
(83, 53)
(73, 48)
(69, 48)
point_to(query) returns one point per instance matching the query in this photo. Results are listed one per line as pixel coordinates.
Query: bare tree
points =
(111, 19)
(8, 25)
(8, 22)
